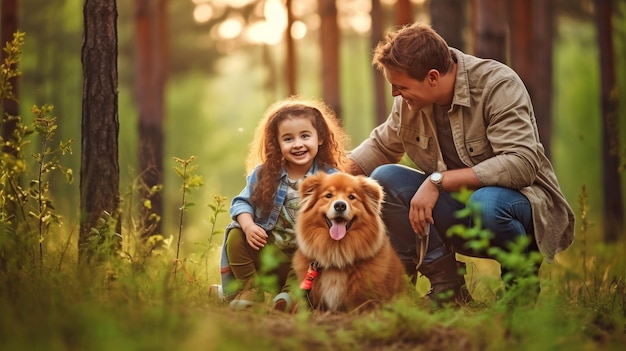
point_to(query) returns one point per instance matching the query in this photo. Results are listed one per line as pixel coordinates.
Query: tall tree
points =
(531, 34)
(380, 106)
(542, 28)
(404, 13)
(10, 107)
(291, 52)
(448, 18)
(613, 206)
(329, 42)
(489, 29)
(99, 171)
(151, 60)
(520, 34)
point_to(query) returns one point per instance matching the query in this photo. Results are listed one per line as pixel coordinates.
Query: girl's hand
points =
(255, 236)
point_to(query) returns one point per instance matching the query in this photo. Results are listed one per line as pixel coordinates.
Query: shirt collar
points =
(461, 84)
(312, 170)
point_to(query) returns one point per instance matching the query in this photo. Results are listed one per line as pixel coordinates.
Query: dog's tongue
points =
(337, 230)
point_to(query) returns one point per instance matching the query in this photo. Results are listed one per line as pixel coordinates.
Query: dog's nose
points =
(340, 206)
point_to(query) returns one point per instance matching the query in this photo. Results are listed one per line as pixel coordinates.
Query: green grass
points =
(136, 302)
(127, 305)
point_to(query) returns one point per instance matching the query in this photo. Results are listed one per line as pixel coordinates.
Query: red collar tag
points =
(311, 273)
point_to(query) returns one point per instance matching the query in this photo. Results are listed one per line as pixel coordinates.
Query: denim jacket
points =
(241, 204)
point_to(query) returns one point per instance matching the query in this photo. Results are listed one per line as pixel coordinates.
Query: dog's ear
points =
(373, 191)
(308, 187)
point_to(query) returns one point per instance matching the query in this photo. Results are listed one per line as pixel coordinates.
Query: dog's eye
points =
(329, 195)
(351, 197)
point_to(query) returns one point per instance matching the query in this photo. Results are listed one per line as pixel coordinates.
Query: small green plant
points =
(12, 164)
(47, 161)
(16, 212)
(519, 267)
(217, 207)
(477, 238)
(136, 227)
(8, 68)
(271, 258)
(583, 199)
(103, 239)
(189, 182)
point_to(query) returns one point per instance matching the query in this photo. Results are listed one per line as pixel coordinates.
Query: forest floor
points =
(264, 329)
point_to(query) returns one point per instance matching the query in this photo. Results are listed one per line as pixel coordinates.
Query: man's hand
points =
(421, 211)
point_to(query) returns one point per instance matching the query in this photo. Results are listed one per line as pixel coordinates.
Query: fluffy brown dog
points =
(342, 244)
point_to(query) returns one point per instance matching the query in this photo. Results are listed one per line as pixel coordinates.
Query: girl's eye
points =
(287, 140)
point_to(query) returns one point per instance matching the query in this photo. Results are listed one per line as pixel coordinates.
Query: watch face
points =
(436, 177)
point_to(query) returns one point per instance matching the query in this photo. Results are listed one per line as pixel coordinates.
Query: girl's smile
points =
(299, 144)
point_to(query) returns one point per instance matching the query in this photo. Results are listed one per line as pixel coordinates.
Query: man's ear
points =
(433, 77)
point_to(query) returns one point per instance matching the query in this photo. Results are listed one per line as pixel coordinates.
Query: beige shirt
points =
(495, 133)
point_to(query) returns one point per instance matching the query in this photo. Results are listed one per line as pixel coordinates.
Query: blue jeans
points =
(505, 212)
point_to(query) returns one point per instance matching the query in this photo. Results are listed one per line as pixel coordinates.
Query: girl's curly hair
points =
(265, 149)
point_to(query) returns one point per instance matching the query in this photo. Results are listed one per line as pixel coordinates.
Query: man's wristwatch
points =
(437, 179)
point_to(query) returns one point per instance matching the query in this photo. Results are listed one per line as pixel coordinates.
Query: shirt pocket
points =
(478, 149)
(413, 138)
(420, 148)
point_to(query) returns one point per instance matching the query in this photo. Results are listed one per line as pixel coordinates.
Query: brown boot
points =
(446, 280)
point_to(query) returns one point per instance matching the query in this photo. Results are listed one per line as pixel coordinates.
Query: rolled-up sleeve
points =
(241, 203)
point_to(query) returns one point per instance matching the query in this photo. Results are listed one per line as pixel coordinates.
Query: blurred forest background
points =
(224, 67)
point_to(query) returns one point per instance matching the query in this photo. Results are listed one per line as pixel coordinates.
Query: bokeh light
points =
(203, 13)
(298, 30)
(231, 28)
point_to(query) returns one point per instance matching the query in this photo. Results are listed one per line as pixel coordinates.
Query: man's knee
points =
(383, 173)
(395, 176)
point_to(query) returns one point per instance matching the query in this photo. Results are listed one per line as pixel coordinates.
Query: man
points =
(464, 122)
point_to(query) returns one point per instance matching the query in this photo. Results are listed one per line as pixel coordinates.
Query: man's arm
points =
(353, 168)
(457, 179)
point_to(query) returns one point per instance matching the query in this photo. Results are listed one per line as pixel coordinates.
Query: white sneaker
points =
(282, 302)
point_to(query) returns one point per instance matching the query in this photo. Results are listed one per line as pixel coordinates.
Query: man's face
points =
(417, 94)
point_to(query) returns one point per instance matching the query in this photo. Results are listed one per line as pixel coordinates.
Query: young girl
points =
(295, 138)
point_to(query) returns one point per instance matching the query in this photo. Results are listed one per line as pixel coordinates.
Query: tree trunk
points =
(380, 106)
(521, 49)
(151, 61)
(291, 52)
(541, 75)
(403, 12)
(99, 171)
(329, 37)
(613, 206)
(490, 29)
(447, 17)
